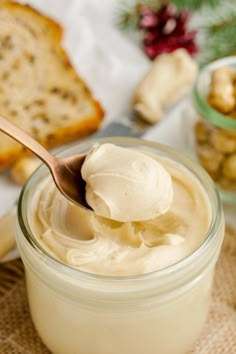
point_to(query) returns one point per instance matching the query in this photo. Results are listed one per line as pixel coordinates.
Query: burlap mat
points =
(17, 334)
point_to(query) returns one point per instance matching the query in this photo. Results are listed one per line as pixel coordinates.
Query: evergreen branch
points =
(220, 39)
(128, 12)
(194, 5)
(128, 18)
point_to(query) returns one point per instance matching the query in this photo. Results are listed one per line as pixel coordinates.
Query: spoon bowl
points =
(66, 172)
(68, 179)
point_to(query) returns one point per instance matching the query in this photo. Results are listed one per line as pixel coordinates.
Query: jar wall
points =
(154, 314)
(67, 327)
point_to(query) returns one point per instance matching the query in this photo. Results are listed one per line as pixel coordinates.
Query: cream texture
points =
(125, 184)
(95, 244)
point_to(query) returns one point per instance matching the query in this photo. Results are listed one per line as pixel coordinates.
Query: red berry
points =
(150, 51)
(165, 31)
(150, 37)
(184, 17)
(165, 13)
(169, 26)
(189, 36)
(148, 19)
(191, 48)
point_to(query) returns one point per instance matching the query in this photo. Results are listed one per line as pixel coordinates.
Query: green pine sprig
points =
(128, 13)
(194, 5)
(220, 39)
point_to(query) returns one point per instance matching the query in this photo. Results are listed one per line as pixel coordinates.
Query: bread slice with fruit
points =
(39, 89)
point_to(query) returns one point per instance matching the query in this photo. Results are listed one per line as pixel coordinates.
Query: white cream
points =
(100, 245)
(125, 184)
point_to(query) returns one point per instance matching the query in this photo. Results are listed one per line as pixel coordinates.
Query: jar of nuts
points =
(214, 96)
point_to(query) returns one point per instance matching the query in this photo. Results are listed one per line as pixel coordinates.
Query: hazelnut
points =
(201, 131)
(227, 184)
(222, 142)
(209, 158)
(221, 95)
(229, 167)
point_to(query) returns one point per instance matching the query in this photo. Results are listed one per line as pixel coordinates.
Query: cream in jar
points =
(76, 311)
(149, 214)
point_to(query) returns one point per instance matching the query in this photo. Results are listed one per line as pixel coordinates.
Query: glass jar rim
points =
(67, 270)
(208, 113)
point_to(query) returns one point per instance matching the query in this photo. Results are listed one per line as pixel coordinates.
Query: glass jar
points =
(159, 312)
(215, 134)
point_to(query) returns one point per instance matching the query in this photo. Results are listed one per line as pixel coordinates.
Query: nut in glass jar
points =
(215, 130)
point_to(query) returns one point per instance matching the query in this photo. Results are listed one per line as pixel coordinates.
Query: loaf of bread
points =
(39, 89)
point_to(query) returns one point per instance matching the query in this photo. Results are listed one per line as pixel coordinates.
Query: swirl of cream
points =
(126, 185)
(81, 239)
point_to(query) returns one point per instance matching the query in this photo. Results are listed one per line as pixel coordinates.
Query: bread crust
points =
(62, 133)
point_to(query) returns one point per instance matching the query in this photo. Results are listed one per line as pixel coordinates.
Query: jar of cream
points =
(78, 311)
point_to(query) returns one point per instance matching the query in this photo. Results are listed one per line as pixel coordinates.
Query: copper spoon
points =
(66, 172)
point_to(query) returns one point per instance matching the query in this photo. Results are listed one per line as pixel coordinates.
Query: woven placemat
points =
(18, 336)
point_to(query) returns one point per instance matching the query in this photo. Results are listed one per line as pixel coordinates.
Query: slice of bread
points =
(39, 89)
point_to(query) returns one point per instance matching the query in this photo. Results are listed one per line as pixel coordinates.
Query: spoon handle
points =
(23, 138)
